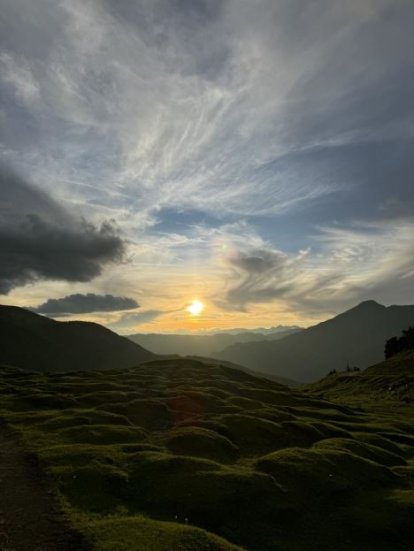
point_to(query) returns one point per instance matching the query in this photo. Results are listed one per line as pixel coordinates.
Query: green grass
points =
(202, 442)
(137, 533)
(101, 434)
(363, 449)
(180, 455)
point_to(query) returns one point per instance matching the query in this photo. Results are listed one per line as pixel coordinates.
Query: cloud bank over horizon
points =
(257, 155)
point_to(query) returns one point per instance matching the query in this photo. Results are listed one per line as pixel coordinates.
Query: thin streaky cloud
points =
(182, 121)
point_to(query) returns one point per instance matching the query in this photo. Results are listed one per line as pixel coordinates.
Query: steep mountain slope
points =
(181, 454)
(34, 342)
(355, 337)
(204, 345)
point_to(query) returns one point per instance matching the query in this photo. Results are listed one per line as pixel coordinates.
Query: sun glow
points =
(195, 308)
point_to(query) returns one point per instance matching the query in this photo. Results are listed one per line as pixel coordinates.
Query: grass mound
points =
(265, 467)
(79, 455)
(106, 397)
(138, 534)
(201, 442)
(94, 487)
(102, 434)
(151, 414)
(43, 400)
(322, 474)
(363, 449)
(330, 430)
(75, 418)
(207, 494)
(377, 440)
(253, 434)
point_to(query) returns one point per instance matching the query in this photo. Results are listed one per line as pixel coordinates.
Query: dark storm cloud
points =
(84, 304)
(39, 239)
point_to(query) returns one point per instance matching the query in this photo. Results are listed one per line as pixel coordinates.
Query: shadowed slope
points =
(35, 342)
(355, 337)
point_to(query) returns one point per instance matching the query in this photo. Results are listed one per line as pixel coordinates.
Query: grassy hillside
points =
(356, 337)
(391, 381)
(179, 454)
(36, 342)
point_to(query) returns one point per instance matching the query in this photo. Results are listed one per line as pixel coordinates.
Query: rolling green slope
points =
(181, 454)
(391, 381)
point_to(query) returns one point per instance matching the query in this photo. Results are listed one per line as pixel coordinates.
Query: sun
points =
(195, 308)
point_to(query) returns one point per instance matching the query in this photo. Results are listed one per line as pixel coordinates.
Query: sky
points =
(255, 155)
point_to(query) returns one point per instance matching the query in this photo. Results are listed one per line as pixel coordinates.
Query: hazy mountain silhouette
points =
(35, 342)
(206, 345)
(355, 338)
(224, 363)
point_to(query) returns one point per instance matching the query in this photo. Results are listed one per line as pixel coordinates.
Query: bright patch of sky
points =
(257, 155)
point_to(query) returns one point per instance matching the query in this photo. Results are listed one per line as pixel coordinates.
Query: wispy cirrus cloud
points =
(180, 119)
(166, 124)
(350, 264)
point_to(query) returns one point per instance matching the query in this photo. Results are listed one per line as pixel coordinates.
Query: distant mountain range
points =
(207, 345)
(38, 343)
(355, 338)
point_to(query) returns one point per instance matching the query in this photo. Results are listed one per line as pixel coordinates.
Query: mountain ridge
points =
(204, 345)
(355, 337)
(70, 345)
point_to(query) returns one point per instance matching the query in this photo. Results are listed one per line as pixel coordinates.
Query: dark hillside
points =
(35, 342)
(355, 338)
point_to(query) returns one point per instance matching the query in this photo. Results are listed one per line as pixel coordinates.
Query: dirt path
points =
(29, 517)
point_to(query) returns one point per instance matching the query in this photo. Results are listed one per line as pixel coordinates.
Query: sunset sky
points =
(254, 155)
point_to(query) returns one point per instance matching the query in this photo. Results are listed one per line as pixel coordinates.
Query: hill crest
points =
(34, 342)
